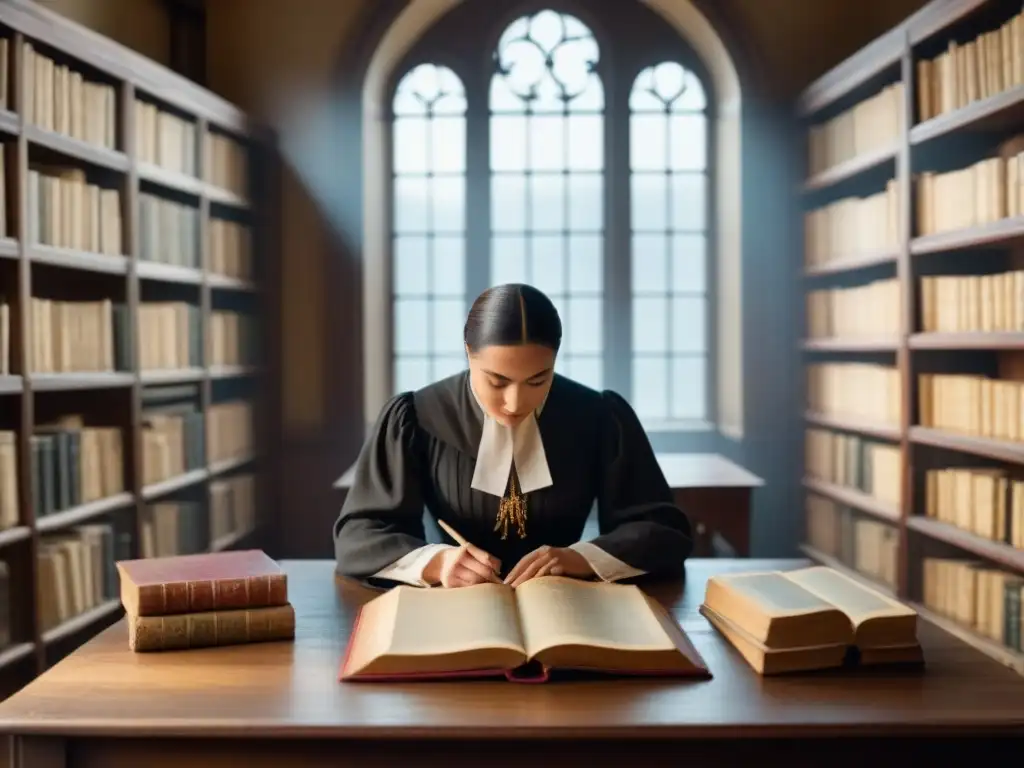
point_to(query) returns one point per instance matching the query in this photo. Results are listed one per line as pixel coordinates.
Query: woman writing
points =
(511, 456)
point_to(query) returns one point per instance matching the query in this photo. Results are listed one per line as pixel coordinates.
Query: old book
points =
(210, 628)
(811, 618)
(492, 630)
(162, 586)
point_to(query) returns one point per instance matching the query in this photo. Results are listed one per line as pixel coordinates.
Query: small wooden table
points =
(277, 704)
(712, 490)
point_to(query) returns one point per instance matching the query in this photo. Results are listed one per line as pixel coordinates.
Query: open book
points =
(493, 630)
(811, 618)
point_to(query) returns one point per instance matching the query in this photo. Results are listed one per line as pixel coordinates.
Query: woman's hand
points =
(462, 567)
(550, 561)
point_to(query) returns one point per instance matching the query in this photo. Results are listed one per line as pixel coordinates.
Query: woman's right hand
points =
(462, 567)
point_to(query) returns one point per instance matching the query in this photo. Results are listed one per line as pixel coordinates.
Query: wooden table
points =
(713, 491)
(281, 704)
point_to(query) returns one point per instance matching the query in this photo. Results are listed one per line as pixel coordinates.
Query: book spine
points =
(1011, 614)
(205, 630)
(213, 595)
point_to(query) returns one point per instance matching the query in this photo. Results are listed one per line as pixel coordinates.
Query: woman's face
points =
(511, 382)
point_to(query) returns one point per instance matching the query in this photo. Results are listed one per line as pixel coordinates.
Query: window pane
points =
(649, 263)
(429, 220)
(649, 203)
(412, 318)
(689, 263)
(508, 203)
(668, 155)
(547, 203)
(411, 266)
(448, 365)
(689, 198)
(650, 387)
(586, 202)
(650, 325)
(547, 263)
(449, 267)
(449, 319)
(586, 264)
(508, 259)
(586, 370)
(547, 123)
(411, 373)
(584, 326)
(688, 325)
(689, 388)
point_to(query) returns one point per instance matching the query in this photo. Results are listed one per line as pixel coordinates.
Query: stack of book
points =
(196, 601)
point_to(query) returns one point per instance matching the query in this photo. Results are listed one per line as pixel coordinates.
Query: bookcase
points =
(913, 268)
(134, 236)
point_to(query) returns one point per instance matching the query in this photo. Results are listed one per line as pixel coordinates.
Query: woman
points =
(511, 456)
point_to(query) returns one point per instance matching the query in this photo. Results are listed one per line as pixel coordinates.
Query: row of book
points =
(973, 303)
(164, 139)
(864, 391)
(9, 516)
(227, 163)
(66, 210)
(76, 571)
(230, 338)
(170, 335)
(981, 406)
(976, 596)
(859, 463)
(853, 227)
(78, 336)
(229, 250)
(873, 309)
(985, 501)
(867, 546)
(168, 231)
(982, 193)
(74, 463)
(871, 125)
(230, 431)
(62, 99)
(971, 70)
(185, 527)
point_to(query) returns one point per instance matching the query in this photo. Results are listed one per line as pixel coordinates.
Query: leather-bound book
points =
(215, 581)
(210, 628)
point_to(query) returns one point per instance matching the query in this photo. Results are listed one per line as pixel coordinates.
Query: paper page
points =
(559, 611)
(855, 600)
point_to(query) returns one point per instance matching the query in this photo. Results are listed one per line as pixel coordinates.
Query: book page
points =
(560, 611)
(853, 598)
(435, 622)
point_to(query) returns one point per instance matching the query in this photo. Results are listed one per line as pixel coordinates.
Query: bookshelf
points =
(913, 270)
(134, 234)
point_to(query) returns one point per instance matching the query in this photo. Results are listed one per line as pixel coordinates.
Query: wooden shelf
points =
(850, 168)
(995, 340)
(1000, 450)
(852, 425)
(1001, 233)
(836, 564)
(851, 264)
(118, 398)
(1007, 656)
(852, 497)
(995, 551)
(992, 114)
(866, 344)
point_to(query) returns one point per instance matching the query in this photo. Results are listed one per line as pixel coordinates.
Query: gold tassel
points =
(512, 510)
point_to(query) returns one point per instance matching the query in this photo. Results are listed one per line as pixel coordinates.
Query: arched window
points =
(566, 147)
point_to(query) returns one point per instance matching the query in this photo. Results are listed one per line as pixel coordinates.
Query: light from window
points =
(428, 249)
(547, 174)
(669, 189)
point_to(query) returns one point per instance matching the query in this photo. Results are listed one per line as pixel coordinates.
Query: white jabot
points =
(501, 446)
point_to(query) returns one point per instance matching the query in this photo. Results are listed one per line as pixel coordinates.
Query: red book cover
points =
(162, 586)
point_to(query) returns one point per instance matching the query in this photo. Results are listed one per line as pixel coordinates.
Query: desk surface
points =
(290, 690)
(682, 470)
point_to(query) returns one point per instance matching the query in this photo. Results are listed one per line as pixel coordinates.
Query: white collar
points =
(500, 446)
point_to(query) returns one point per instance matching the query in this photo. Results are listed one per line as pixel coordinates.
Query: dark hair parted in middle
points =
(511, 314)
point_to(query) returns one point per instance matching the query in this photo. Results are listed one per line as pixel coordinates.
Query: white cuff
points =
(409, 567)
(606, 567)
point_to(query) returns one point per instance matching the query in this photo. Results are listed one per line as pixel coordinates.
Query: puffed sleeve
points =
(379, 533)
(639, 524)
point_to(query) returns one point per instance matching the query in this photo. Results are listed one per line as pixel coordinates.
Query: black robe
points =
(422, 453)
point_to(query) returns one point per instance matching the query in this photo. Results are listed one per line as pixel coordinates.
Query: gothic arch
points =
(405, 30)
